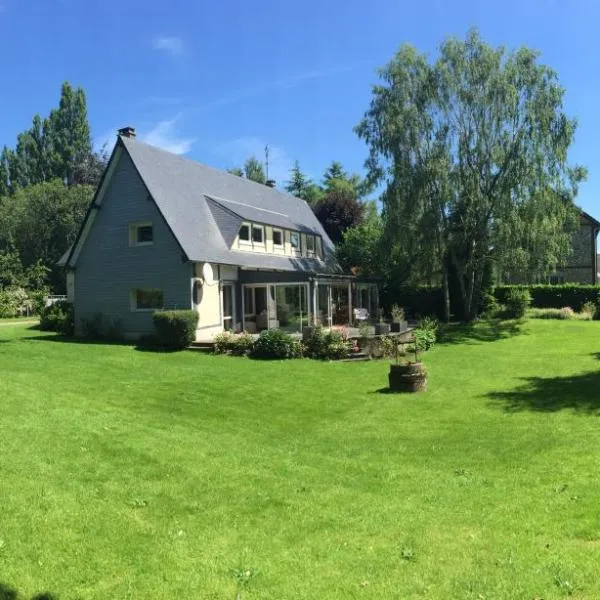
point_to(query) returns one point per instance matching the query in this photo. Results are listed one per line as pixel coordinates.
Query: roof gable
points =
(203, 205)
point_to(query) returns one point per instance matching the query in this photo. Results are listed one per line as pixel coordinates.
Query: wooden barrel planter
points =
(410, 377)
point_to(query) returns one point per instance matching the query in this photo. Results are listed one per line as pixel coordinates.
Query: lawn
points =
(132, 474)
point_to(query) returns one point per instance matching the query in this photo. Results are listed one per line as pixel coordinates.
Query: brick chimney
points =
(127, 132)
(270, 183)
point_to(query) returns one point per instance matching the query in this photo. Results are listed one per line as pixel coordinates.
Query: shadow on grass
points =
(551, 394)
(64, 339)
(9, 593)
(482, 331)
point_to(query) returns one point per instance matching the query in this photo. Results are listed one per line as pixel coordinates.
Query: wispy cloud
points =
(238, 150)
(165, 136)
(170, 44)
(282, 83)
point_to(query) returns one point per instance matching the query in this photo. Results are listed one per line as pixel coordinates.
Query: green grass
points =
(130, 474)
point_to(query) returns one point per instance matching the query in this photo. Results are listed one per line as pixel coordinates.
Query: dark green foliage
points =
(426, 334)
(58, 317)
(175, 328)
(274, 343)
(330, 345)
(338, 211)
(417, 301)
(554, 296)
(518, 300)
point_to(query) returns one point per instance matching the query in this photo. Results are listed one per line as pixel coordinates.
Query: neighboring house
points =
(165, 232)
(582, 266)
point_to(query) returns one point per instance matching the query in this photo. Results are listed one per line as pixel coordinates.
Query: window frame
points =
(261, 228)
(297, 249)
(134, 232)
(246, 242)
(280, 244)
(134, 299)
(311, 252)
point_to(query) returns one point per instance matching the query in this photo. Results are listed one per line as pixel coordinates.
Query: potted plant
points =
(382, 328)
(398, 322)
(408, 375)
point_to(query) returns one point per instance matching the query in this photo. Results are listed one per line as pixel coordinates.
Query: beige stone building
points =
(582, 266)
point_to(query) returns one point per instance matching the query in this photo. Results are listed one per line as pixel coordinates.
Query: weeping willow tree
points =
(472, 149)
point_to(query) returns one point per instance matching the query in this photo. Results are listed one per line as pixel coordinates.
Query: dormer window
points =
(277, 237)
(310, 245)
(141, 234)
(258, 234)
(244, 233)
(295, 240)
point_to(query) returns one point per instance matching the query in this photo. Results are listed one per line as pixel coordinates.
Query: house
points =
(582, 266)
(165, 232)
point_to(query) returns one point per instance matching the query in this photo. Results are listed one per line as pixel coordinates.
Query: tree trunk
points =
(446, 289)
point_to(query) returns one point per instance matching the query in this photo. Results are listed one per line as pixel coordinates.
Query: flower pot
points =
(400, 326)
(409, 377)
(382, 328)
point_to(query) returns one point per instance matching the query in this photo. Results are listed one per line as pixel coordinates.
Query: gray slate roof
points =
(203, 206)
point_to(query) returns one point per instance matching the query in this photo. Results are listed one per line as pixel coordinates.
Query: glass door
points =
(228, 307)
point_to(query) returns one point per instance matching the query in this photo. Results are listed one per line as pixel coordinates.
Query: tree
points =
(254, 170)
(466, 147)
(68, 128)
(335, 177)
(338, 211)
(299, 183)
(40, 222)
(360, 247)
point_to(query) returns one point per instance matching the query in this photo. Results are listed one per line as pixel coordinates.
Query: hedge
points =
(553, 296)
(175, 328)
(59, 317)
(418, 301)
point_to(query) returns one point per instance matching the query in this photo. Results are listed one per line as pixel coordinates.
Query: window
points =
(277, 237)
(310, 245)
(147, 299)
(228, 307)
(295, 240)
(248, 301)
(319, 247)
(141, 234)
(245, 233)
(258, 234)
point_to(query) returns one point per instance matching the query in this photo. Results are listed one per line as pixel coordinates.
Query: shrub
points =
(58, 317)
(234, 344)
(175, 328)
(566, 313)
(554, 296)
(489, 305)
(92, 328)
(397, 313)
(426, 333)
(330, 345)
(518, 300)
(274, 343)
(589, 308)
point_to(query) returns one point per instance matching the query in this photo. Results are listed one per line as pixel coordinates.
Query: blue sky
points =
(218, 80)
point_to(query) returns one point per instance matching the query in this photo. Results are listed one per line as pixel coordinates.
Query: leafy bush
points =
(58, 317)
(175, 328)
(330, 345)
(417, 301)
(589, 308)
(489, 305)
(554, 296)
(234, 344)
(274, 343)
(426, 333)
(518, 300)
